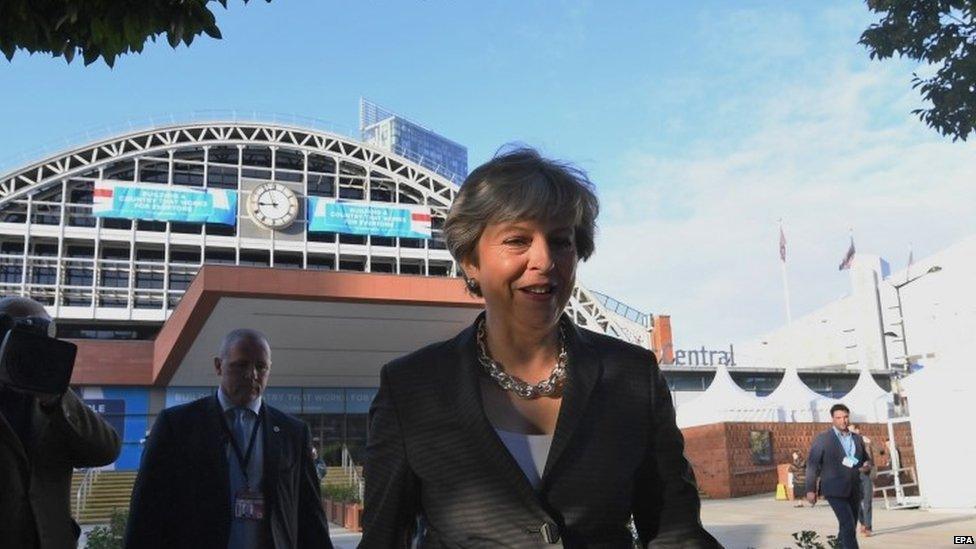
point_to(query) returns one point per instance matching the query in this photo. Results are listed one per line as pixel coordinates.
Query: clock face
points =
(272, 205)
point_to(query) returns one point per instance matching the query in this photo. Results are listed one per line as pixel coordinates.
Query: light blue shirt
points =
(847, 442)
(244, 534)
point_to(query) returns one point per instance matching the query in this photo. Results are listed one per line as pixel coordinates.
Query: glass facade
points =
(396, 134)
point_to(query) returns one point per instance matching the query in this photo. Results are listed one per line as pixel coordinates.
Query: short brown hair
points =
(521, 184)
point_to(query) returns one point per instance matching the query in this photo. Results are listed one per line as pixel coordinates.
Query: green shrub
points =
(111, 536)
(808, 539)
(346, 493)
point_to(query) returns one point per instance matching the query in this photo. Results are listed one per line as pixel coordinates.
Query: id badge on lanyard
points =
(248, 503)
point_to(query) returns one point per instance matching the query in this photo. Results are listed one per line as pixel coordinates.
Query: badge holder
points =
(249, 505)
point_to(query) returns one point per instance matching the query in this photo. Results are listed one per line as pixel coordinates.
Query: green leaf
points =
(213, 32)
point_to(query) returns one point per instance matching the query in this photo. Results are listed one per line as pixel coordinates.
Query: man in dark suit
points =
(42, 438)
(837, 457)
(228, 470)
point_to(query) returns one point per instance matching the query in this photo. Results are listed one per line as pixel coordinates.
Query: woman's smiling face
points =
(526, 270)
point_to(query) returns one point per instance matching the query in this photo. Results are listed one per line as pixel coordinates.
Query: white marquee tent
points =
(792, 401)
(722, 401)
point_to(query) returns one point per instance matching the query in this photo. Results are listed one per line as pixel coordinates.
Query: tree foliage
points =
(101, 28)
(941, 33)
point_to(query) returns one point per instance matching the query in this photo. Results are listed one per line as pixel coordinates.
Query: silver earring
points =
(471, 283)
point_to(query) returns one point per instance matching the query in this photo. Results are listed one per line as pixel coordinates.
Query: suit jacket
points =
(181, 497)
(616, 451)
(35, 482)
(825, 461)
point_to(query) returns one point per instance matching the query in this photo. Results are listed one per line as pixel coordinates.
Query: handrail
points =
(349, 468)
(84, 489)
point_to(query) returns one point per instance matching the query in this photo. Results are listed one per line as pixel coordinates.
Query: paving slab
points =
(764, 523)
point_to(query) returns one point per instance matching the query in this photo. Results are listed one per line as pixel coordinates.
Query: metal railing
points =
(897, 488)
(84, 489)
(623, 309)
(352, 472)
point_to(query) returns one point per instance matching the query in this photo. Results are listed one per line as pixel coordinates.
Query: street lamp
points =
(896, 387)
(901, 311)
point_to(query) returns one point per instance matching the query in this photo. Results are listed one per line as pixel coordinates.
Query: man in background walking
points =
(867, 485)
(837, 457)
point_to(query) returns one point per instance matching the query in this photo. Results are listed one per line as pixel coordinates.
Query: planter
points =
(333, 512)
(347, 515)
(338, 513)
(354, 517)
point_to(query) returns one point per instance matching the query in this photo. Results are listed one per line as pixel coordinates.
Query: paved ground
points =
(342, 538)
(764, 523)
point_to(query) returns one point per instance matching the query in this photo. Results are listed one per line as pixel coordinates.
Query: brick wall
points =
(706, 448)
(722, 460)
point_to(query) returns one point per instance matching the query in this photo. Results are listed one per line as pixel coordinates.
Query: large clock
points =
(272, 205)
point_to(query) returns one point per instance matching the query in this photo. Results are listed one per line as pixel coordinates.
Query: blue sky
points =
(701, 123)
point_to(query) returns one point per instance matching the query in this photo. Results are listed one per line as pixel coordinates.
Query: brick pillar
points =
(661, 339)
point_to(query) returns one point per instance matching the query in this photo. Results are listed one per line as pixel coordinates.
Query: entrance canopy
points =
(326, 328)
(322, 343)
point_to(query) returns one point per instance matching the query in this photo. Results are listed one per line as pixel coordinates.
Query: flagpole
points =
(908, 268)
(782, 264)
(786, 293)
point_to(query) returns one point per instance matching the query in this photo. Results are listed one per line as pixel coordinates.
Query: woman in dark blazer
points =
(524, 430)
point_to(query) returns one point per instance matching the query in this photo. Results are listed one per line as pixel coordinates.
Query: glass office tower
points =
(391, 132)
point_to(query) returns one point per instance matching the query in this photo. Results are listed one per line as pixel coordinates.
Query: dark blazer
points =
(35, 482)
(616, 451)
(181, 496)
(825, 461)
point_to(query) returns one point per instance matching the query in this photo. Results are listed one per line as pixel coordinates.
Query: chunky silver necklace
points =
(508, 382)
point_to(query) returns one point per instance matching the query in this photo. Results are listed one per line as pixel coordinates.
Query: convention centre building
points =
(148, 246)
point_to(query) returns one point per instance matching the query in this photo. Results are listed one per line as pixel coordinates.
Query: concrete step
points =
(111, 490)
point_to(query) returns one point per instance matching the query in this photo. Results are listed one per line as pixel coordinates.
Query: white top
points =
(529, 451)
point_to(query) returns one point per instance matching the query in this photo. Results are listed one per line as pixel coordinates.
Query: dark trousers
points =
(846, 510)
(867, 498)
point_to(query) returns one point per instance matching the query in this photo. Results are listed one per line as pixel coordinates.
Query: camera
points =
(31, 359)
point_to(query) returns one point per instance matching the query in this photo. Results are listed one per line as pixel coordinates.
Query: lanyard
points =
(243, 458)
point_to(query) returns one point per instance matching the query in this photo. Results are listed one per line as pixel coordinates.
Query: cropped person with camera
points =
(45, 430)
